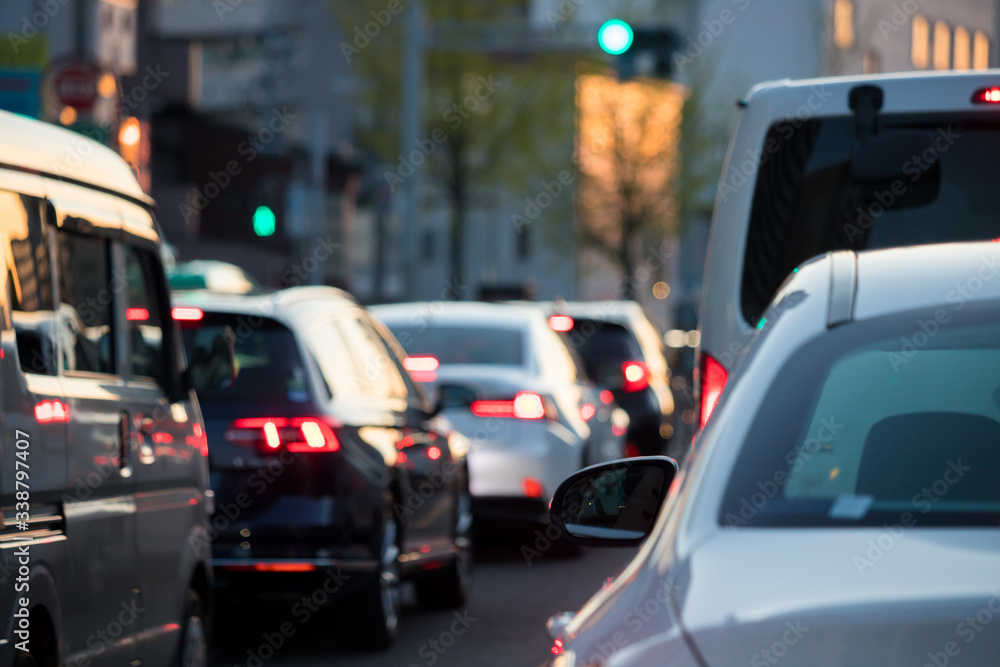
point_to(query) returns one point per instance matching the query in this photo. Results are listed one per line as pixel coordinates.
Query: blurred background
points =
(448, 149)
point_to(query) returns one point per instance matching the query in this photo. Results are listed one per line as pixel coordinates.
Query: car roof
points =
(472, 313)
(31, 145)
(896, 280)
(904, 92)
(607, 310)
(294, 303)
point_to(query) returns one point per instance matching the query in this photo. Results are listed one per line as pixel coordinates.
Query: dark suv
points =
(623, 351)
(330, 468)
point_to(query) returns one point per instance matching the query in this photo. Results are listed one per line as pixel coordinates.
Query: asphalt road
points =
(503, 623)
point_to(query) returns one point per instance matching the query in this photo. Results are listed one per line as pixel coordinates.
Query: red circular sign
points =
(75, 85)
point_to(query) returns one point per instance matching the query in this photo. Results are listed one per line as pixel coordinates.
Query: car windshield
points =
(463, 344)
(893, 421)
(807, 200)
(269, 369)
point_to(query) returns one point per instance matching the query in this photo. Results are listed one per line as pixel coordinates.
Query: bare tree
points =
(628, 139)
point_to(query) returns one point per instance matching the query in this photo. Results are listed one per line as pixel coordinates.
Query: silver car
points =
(841, 507)
(509, 383)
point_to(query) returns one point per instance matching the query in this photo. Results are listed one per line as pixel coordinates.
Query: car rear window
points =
(894, 421)
(269, 366)
(603, 341)
(807, 201)
(463, 344)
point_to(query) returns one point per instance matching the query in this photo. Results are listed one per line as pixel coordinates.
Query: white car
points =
(847, 163)
(841, 508)
(509, 383)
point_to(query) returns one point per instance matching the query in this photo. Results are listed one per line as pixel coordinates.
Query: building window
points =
(843, 23)
(524, 243)
(942, 45)
(871, 63)
(963, 44)
(921, 37)
(429, 246)
(981, 51)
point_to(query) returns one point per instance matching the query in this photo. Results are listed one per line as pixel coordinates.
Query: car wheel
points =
(448, 587)
(25, 659)
(379, 601)
(193, 650)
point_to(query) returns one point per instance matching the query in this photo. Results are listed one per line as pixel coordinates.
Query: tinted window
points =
(86, 312)
(858, 429)
(29, 281)
(808, 202)
(269, 367)
(463, 345)
(143, 316)
(603, 341)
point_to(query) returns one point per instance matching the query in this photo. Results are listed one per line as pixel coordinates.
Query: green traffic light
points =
(615, 36)
(264, 221)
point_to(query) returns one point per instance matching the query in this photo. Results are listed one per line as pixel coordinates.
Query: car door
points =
(102, 607)
(437, 474)
(168, 460)
(427, 508)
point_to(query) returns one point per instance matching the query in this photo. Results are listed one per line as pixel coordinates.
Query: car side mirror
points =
(454, 396)
(614, 503)
(216, 368)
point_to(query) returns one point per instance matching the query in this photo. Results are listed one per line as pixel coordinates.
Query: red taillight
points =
(525, 405)
(185, 314)
(607, 397)
(713, 380)
(631, 451)
(48, 412)
(272, 567)
(422, 369)
(989, 95)
(557, 647)
(136, 314)
(433, 453)
(561, 323)
(587, 411)
(298, 434)
(531, 487)
(199, 440)
(636, 376)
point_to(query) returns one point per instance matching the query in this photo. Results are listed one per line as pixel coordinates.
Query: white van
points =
(103, 457)
(847, 163)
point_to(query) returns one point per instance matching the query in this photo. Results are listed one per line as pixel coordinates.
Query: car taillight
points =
(587, 411)
(422, 369)
(298, 434)
(185, 314)
(561, 323)
(636, 376)
(713, 380)
(989, 95)
(524, 405)
(48, 412)
(532, 488)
